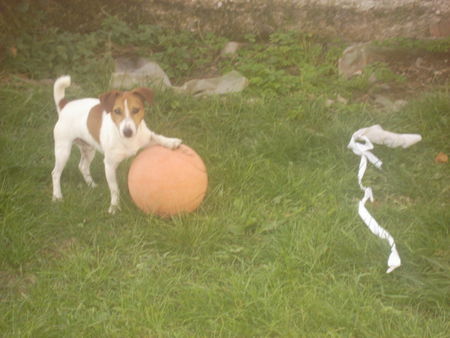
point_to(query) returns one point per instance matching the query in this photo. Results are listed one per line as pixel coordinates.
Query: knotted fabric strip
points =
(361, 144)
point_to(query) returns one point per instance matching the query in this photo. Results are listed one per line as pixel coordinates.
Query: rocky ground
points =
(416, 69)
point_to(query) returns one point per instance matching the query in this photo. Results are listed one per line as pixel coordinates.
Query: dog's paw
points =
(173, 143)
(113, 209)
(57, 198)
(92, 184)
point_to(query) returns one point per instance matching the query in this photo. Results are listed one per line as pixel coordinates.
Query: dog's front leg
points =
(110, 171)
(168, 142)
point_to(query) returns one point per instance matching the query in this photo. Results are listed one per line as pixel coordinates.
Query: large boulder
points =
(135, 71)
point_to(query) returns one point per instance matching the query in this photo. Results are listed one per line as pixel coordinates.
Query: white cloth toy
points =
(376, 134)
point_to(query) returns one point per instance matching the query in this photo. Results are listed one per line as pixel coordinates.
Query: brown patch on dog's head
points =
(108, 100)
(112, 102)
(145, 93)
(135, 102)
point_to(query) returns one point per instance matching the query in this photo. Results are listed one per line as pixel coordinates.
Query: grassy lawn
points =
(277, 247)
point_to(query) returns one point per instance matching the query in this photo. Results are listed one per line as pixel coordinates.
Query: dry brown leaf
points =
(13, 51)
(441, 158)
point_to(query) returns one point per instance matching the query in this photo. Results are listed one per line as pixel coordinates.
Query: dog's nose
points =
(127, 132)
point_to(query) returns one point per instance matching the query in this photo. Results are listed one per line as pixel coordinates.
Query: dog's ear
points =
(145, 94)
(108, 99)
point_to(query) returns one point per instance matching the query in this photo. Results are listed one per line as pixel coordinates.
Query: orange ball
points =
(167, 182)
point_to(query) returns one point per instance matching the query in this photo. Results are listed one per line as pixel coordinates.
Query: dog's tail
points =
(59, 90)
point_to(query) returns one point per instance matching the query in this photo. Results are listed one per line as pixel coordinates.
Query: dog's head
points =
(126, 108)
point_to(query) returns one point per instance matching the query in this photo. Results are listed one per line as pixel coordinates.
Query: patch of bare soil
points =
(421, 72)
(429, 69)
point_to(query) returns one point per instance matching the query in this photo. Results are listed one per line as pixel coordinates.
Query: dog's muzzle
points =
(127, 132)
(127, 128)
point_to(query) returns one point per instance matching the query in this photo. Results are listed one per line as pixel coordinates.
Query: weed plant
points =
(277, 247)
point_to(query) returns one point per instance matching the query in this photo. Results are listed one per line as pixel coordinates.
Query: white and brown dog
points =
(113, 125)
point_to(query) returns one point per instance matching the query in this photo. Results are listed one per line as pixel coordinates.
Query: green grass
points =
(276, 249)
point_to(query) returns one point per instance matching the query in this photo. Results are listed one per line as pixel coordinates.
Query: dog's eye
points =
(135, 110)
(117, 111)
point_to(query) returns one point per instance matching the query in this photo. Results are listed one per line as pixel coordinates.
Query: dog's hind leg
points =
(62, 153)
(87, 155)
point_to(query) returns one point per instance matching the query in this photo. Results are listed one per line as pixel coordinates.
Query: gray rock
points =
(230, 49)
(389, 105)
(136, 71)
(231, 82)
(353, 60)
